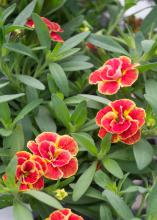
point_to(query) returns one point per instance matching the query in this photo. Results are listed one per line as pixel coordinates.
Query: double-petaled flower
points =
(115, 73)
(54, 28)
(122, 119)
(59, 153)
(65, 214)
(30, 171)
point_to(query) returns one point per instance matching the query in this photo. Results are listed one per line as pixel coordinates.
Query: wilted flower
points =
(53, 27)
(64, 214)
(123, 119)
(59, 153)
(60, 194)
(115, 73)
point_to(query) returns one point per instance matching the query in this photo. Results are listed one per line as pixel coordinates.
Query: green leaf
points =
(105, 146)
(84, 182)
(89, 126)
(150, 21)
(73, 41)
(31, 81)
(113, 167)
(151, 204)
(44, 120)
(86, 141)
(10, 172)
(118, 205)
(20, 211)
(107, 43)
(61, 110)
(79, 116)
(151, 91)
(8, 11)
(20, 48)
(60, 78)
(50, 6)
(27, 109)
(42, 31)
(102, 179)
(25, 13)
(147, 45)
(6, 98)
(143, 153)
(105, 213)
(76, 65)
(5, 132)
(45, 198)
(147, 66)
(96, 98)
(5, 114)
(3, 84)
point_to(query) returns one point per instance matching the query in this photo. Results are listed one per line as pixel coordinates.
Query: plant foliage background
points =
(44, 87)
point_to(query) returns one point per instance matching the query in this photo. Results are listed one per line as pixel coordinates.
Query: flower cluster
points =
(53, 157)
(122, 119)
(58, 152)
(65, 214)
(53, 27)
(115, 73)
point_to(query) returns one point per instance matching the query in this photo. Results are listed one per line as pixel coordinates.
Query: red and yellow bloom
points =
(115, 73)
(59, 153)
(65, 214)
(30, 171)
(122, 119)
(53, 27)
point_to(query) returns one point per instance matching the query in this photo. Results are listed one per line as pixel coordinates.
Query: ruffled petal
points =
(33, 147)
(62, 158)
(101, 114)
(133, 139)
(107, 121)
(44, 149)
(56, 37)
(119, 128)
(129, 77)
(53, 173)
(94, 77)
(126, 62)
(22, 156)
(139, 115)
(70, 169)
(39, 184)
(75, 217)
(40, 163)
(47, 136)
(102, 132)
(130, 131)
(57, 215)
(126, 104)
(108, 88)
(68, 143)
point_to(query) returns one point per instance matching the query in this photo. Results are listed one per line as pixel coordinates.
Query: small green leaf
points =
(61, 110)
(76, 65)
(86, 141)
(42, 31)
(25, 13)
(20, 211)
(27, 109)
(113, 167)
(44, 120)
(60, 78)
(73, 41)
(105, 145)
(45, 198)
(6, 98)
(5, 114)
(8, 11)
(79, 116)
(50, 6)
(84, 182)
(102, 179)
(105, 213)
(118, 205)
(147, 66)
(10, 173)
(143, 153)
(151, 204)
(20, 48)
(3, 84)
(31, 81)
(96, 98)
(151, 91)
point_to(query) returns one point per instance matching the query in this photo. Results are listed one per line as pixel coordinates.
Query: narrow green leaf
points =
(151, 91)
(118, 205)
(102, 179)
(86, 141)
(25, 13)
(60, 78)
(107, 43)
(73, 41)
(61, 110)
(20, 48)
(84, 182)
(27, 109)
(113, 167)
(31, 81)
(105, 213)
(79, 116)
(3, 84)
(151, 204)
(96, 98)
(10, 172)
(45, 198)
(143, 153)
(50, 6)
(8, 11)
(6, 98)
(42, 31)
(76, 65)
(147, 66)
(105, 145)
(5, 114)
(20, 211)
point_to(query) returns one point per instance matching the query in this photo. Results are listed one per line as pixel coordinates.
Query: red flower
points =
(115, 73)
(64, 214)
(123, 119)
(29, 172)
(53, 27)
(59, 153)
